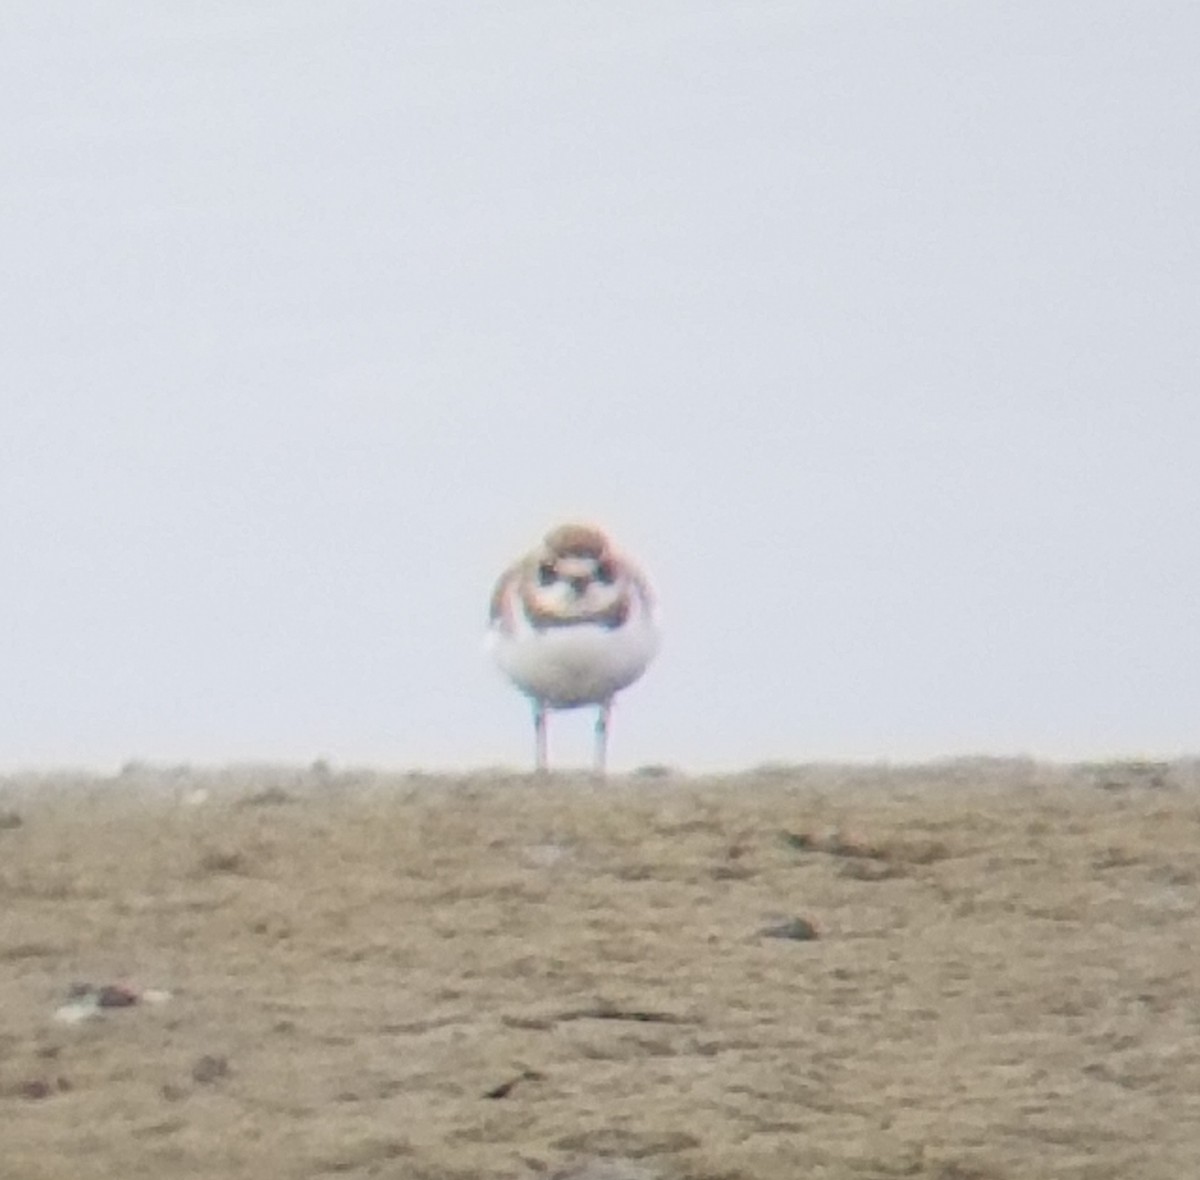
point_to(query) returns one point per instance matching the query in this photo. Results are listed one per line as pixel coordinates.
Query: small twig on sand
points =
(504, 1089)
(603, 1010)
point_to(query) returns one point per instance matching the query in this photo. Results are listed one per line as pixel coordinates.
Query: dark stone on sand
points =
(209, 1069)
(797, 929)
(35, 1089)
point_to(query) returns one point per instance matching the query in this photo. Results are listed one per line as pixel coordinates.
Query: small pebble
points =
(797, 929)
(209, 1069)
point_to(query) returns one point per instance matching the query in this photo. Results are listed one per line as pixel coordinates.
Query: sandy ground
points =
(491, 977)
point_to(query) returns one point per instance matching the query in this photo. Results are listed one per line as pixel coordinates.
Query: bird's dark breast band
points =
(545, 620)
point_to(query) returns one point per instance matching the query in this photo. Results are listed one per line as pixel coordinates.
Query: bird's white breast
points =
(580, 664)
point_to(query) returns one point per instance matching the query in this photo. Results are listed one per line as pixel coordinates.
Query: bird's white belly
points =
(583, 664)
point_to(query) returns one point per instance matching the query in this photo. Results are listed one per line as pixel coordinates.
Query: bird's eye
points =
(605, 573)
(546, 575)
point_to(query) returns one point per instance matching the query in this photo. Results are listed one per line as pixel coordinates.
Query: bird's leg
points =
(539, 736)
(600, 765)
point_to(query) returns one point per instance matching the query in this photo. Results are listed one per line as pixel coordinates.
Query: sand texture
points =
(966, 971)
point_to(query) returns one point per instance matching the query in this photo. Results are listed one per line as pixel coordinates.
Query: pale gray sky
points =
(871, 328)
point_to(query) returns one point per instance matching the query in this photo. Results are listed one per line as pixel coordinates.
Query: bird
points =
(571, 624)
